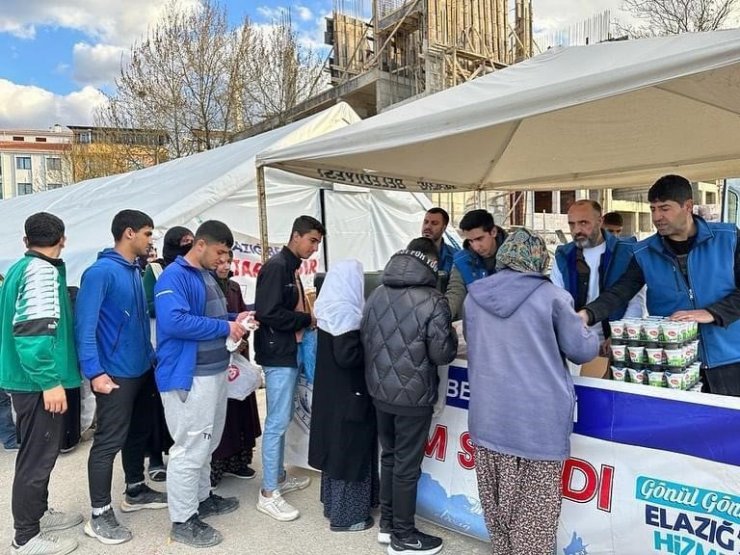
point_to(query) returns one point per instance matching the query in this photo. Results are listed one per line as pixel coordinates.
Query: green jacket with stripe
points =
(37, 350)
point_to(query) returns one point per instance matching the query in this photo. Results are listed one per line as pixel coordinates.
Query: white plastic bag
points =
(243, 376)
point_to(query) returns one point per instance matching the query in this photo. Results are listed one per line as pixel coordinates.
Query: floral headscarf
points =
(523, 251)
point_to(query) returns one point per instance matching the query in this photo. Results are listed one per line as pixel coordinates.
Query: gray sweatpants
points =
(195, 425)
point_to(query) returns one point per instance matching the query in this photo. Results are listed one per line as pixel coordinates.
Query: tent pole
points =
(325, 248)
(262, 211)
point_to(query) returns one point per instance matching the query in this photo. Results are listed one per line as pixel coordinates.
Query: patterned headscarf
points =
(523, 251)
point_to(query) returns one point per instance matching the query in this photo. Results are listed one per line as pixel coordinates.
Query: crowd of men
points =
(688, 270)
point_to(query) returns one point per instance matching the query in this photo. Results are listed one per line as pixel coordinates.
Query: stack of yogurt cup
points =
(655, 351)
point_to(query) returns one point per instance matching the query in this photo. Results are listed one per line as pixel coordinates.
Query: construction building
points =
(386, 52)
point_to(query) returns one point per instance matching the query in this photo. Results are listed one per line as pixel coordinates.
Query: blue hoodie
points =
(519, 328)
(111, 320)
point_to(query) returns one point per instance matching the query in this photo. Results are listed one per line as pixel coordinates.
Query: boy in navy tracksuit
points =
(115, 354)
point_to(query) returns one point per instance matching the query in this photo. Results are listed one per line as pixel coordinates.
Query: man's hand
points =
(103, 384)
(702, 316)
(248, 320)
(236, 331)
(605, 349)
(584, 316)
(55, 400)
(314, 323)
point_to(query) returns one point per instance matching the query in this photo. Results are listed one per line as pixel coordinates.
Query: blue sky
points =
(57, 55)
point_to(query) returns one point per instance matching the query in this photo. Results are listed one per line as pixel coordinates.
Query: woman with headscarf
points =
(242, 426)
(520, 328)
(343, 437)
(177, 242)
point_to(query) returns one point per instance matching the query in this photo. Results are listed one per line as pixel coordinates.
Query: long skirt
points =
(347, 503)
(521, 502)
(241, 430)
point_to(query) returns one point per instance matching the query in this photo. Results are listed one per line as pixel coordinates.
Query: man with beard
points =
(692, 271)
(434, 226)
(594, 260)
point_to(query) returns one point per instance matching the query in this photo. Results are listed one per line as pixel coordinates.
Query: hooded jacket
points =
(519, 327)
(406, 334)
(111, 319)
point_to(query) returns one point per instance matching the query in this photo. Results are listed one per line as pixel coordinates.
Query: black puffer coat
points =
(406, 334)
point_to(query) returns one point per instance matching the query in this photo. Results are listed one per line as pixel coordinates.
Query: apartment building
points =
(34, 160)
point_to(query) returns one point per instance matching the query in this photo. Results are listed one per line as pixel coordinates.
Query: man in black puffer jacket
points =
(406, 334)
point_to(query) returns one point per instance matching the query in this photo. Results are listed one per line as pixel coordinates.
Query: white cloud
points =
(113, 22)
(96, 65)
(23, 106)
(304, 13)
(271, 13)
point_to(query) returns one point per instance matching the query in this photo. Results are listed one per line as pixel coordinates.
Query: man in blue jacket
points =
(434, 226)
(476, 260)
(593, 261)
(192, 327)
(692, 271)
(115, 354)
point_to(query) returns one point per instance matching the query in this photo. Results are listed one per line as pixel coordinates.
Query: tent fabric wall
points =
(605, 115)
(217, 184)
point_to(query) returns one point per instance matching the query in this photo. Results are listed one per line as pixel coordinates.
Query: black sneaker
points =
(157, 473)
(243, 473)
(106, 529)
(217, 505)
(143, 497)
(416, 543)
(195, 533)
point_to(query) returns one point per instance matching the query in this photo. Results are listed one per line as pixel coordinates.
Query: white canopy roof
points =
(220, 184)
(607, 115)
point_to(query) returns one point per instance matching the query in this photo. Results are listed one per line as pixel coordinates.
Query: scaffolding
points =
(420, 47)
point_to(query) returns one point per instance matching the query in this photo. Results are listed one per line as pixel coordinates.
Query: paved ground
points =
(245, 531)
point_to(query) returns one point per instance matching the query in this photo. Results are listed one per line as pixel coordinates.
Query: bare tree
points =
(201, 80)
(671, 17)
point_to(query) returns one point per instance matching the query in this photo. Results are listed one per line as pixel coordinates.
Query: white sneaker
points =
(57, 520)
(277, 507)
(293, 483)
(45, 544)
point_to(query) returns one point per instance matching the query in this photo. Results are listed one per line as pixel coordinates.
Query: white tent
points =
(607, 115)
(219, 184)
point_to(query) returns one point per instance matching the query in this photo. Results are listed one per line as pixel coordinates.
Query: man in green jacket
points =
(37, 362)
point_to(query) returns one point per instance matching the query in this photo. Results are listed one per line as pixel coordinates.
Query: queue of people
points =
(378, 365)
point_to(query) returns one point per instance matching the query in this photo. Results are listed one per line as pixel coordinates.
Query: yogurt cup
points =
(637, 354)
(637, 376)
(656, 379)
(676, 380)
(674, 357)
(633, 329)
(619, 374)
(652, 330)
(619, 353)
(655, 356)
(617, 327)
(672, 332)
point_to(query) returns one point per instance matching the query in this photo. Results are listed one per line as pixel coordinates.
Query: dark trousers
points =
(402, 439)
(723, 380)
(124, 421)
(42, 437)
